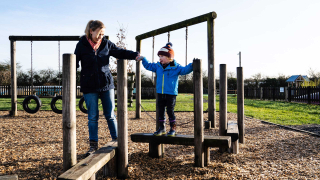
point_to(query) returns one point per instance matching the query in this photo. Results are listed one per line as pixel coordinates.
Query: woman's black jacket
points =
(95, 73)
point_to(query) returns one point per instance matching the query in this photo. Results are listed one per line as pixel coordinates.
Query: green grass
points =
(278, 112)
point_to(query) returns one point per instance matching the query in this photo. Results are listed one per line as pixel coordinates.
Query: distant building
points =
(297, 80)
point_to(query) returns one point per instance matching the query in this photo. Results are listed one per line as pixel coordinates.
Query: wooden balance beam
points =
(9, 177)
(187, 140)
(87, 168)
(233, 131)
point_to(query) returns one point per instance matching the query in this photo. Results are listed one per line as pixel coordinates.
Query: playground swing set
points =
(113, 157)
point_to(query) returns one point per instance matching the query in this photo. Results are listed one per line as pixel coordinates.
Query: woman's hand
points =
(139, 58)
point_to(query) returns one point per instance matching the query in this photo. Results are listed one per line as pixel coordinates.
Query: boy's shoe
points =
(93, 148)
(160, 132)
(171, 133)
(162, 129)
(173, 127)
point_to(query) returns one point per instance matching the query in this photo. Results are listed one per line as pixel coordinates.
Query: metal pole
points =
(69, 111)
(198, 113)
(122, 113)
(223, 102)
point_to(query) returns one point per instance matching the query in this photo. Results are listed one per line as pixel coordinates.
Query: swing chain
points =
(156, 120)
(31, 78)
(186, 49)
(168, 36)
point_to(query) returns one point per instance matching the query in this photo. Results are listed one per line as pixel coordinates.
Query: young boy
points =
(168, 71)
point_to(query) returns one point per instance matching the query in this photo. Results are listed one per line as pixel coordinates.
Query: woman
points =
(94, 51)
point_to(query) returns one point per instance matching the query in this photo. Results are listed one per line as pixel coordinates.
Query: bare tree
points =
(121, 43)
(313, 75)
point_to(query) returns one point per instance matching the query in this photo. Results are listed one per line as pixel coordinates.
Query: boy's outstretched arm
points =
(186, 70)
(148, 65)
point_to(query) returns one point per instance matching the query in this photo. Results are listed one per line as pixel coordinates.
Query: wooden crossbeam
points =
(87, 168)
(187, 140)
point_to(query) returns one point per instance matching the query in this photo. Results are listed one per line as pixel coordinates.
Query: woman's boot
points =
(93, 148)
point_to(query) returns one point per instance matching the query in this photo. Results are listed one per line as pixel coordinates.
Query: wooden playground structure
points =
(113, 157)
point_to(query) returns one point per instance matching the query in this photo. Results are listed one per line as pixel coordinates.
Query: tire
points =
(81, 107)
(53, 104)
(26, 102)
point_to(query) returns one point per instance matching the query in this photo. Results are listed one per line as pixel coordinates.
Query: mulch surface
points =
(31, 147)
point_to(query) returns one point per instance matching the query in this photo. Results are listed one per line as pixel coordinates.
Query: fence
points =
(40, 91)
(50, 91)
(308, 95)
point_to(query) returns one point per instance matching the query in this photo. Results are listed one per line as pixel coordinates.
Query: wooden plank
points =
(90, 165)
(9, 177)
(187, 140)
(233, 130)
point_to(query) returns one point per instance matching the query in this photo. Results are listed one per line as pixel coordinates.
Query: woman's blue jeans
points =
(108, 104)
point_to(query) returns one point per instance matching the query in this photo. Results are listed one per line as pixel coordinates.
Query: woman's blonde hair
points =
(93, 25)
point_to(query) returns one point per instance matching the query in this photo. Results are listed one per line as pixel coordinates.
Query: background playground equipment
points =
(13, 40)
(230, 132)
(209, 18)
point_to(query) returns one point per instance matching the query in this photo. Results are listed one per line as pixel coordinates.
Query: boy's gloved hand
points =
(139, 58)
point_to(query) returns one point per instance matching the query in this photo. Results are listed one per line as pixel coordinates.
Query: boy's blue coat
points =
(168, 78)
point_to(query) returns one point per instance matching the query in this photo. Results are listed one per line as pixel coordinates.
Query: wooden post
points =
(122, 113)
(157, 150)
(309, 94)
(198, 114)
(211, 73)
(240, 103)
(261, 93)
(289, 94)
(138, 82)
(285, 94)
(223, 102)
(14, 111)
(69, 110)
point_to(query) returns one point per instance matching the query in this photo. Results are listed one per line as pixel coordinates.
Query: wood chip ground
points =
(31, 147)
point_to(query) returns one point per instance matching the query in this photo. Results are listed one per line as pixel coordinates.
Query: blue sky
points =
(274, 36)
